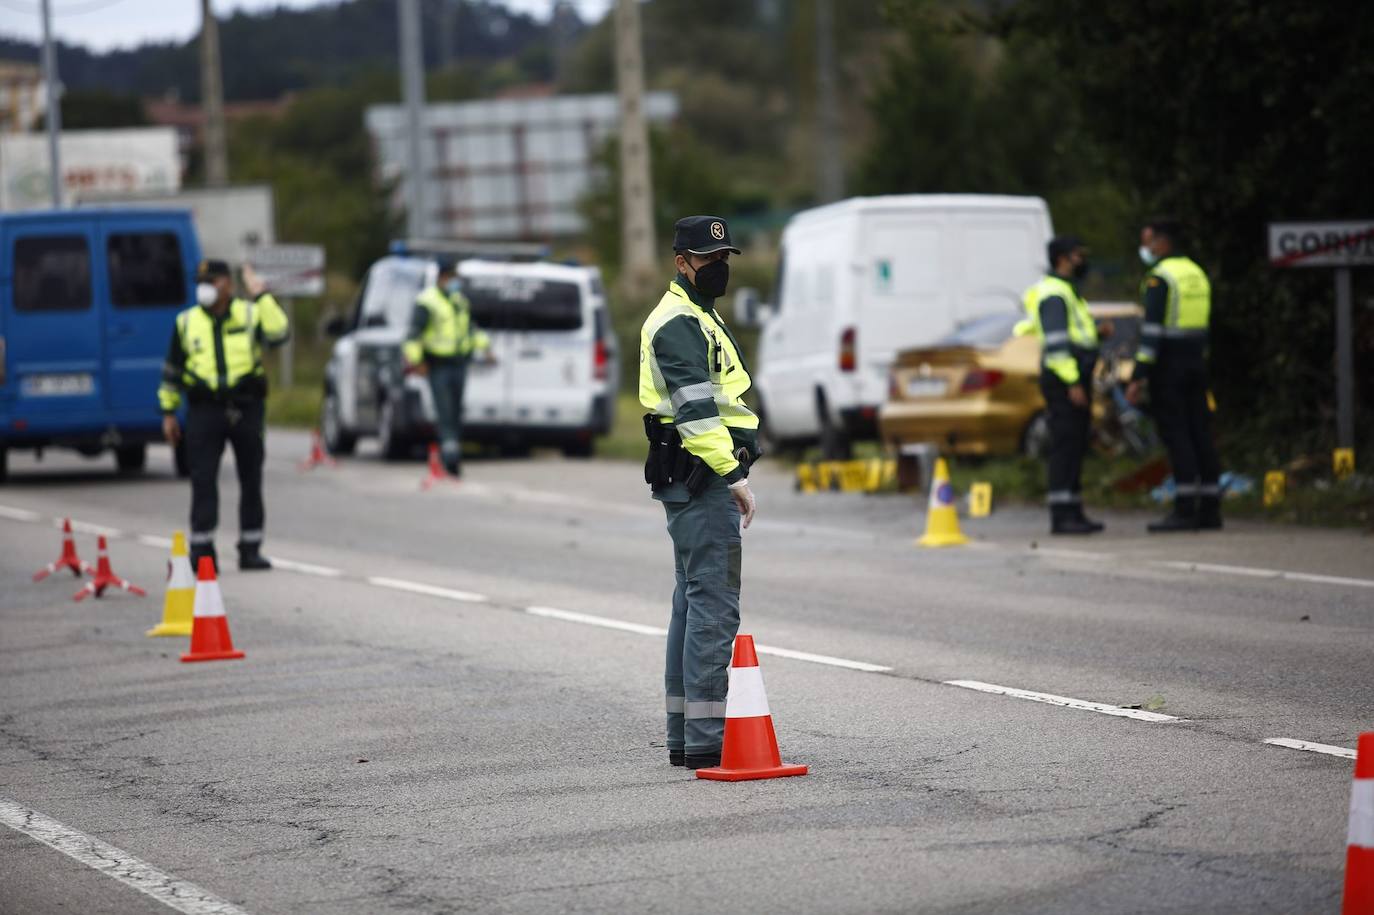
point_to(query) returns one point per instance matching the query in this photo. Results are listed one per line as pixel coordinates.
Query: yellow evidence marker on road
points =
(980, 500)
(1274, 486)
(1343, 463)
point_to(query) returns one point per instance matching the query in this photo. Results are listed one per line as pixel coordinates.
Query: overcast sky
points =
(104, 24)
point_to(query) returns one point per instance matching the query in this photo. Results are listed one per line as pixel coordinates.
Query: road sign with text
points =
(1321, 244)
(289, 270)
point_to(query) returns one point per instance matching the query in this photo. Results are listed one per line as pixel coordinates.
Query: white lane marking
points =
(153, 540)
(18, 514)
(416, 587)
(1061, 553)
(86, 527)
(306, 568)
(1065, 701)
(1252, 572)
(1309, 746)
(113, 862)
(604, 622)
(822, 659)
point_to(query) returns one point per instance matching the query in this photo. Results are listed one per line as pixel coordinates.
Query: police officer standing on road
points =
(215, 360)
(1172, 362)
(441, 340)
(1068, 346)
(702, 440)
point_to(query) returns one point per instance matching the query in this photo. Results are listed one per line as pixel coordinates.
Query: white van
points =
(861, 279)
(552, 380)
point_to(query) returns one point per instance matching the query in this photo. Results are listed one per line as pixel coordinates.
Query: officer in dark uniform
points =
(702, 440)
(214, 361)
(1172, 365)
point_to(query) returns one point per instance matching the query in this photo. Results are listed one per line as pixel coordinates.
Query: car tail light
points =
(894, 387)
(849, 357)
(980, 380)
(601, 361)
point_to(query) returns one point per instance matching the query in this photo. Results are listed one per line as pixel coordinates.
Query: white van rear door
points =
(1001, 253)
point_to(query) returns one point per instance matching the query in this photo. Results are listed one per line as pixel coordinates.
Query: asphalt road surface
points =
(452, 700)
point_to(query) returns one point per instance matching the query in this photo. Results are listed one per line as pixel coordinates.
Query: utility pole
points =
(830, 164)
(636, 189)
(53, 89)
(448, 15)
(212, 99)
(561, 23)
(413, 96)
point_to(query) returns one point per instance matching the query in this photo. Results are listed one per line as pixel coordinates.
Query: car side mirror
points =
(747, 307)
(336, 326)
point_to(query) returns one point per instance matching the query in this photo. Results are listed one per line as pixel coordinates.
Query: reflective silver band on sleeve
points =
(702, 391)
(675, 704)
(699, 426)
(1187, 489)
(1209, 489)
(1185, 333)
(1058, 336)
(700, 708)
(1151, 329)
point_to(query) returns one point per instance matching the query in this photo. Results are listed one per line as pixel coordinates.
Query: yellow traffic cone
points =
(180, 601)
(942, 521)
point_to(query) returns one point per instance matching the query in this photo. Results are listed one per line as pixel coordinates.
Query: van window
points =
(146, 269)
(523, 303)
(390, 294)
(52, 273)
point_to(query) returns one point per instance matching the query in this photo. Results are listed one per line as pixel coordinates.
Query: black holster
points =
(668, 462)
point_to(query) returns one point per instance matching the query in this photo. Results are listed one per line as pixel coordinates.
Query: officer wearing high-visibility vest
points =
(1068, 345)
(1172, 365)
(214, 363)
(702, 441)
(440, 343)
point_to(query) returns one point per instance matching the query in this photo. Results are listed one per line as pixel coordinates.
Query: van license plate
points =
(926, 387)
(73, 385)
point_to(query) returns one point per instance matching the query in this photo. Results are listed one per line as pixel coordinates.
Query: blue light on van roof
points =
(398, 246)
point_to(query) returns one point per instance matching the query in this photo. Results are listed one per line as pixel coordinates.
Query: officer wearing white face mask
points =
(214, 361)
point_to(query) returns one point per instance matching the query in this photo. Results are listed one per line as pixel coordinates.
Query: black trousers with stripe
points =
(209, 426)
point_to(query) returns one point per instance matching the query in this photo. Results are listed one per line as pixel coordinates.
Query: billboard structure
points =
(230, 221)
(505, 168)
(136, 160)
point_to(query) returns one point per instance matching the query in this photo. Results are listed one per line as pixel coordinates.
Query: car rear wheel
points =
(337, 440)
(4, 463)
(1035, 440)
(394, 445)
(131, 458)
(579, 447)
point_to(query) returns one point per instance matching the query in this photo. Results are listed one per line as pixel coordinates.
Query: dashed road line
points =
(19, 514)
(828, 660)
(415, 587)
(153, 540)
(306, 568)
(1310, 747)
(1063, 701)
(605, 622)
(1252, 572)
(1061, 553)
(86, 527)
(113, 862)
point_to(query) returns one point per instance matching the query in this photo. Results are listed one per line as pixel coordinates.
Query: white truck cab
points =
(860, 280)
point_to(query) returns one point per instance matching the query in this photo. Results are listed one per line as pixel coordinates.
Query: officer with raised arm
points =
(215, 361)
(702, 440)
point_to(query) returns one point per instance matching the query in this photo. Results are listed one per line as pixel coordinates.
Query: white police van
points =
(551, 379)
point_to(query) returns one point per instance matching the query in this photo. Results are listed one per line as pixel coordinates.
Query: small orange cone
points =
(437, 473)
(1359, 850)
(318, 457)
(750, 750)
(210, 628)
(68, 559)
(105, 578)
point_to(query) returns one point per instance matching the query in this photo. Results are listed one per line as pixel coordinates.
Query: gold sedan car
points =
(977, 392)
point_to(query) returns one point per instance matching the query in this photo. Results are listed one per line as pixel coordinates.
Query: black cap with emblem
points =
(211, 269)
(702, 235)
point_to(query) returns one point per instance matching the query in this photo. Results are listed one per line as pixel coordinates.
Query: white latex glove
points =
(744, 498)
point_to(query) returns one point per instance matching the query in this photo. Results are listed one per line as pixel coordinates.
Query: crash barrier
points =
(750, 750)
(1359, 846)
(846, 476)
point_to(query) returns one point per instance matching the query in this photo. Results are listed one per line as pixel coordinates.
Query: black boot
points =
(702, 760)
(1209, 513)
(677, 758)
(203, 549)
(1068, 519)
(454, 468)
(1182, 518)
(1097, 526)
(251, 558)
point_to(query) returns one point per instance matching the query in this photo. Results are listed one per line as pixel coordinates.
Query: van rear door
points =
(149, 268)
(53, 334)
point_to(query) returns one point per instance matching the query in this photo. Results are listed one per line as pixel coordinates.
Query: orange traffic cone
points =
(317, 457)
(105, 577)
(437, 473)
(1359, 850)
(210, 628)
(751, 748)
(68, 559)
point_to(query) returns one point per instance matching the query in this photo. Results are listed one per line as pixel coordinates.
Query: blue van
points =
(88, 298)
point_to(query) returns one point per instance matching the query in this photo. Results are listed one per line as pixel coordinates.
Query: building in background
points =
(509, 169)
(189, 120)
(136, 160)
(23, 97)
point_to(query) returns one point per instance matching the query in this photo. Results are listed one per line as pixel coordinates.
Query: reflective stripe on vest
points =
(1082, 330)
(446, 332)
(203, 340)
(1190, 297)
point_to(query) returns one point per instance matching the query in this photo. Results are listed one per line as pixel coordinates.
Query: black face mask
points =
(712, 278)
(1080, 270)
